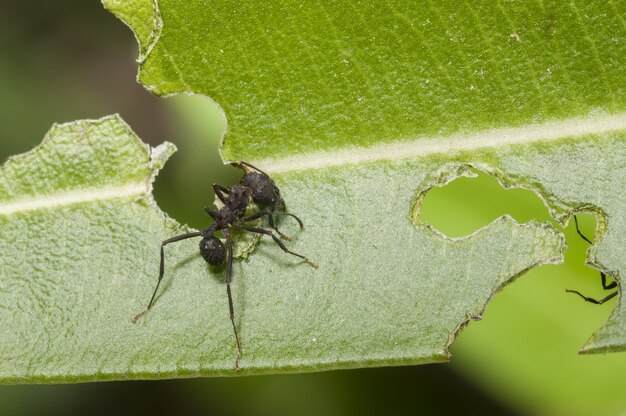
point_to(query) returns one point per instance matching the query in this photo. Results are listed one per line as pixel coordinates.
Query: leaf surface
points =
(356, 110)
(313, 86)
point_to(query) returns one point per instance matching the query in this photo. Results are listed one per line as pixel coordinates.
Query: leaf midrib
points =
(86, 195)
(551, 131)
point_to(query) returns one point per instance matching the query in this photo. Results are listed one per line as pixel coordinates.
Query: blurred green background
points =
(68, 60)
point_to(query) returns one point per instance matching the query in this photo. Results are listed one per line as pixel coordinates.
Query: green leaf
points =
(296, 77)
(80, 237)
(357, 111)
(309, 87)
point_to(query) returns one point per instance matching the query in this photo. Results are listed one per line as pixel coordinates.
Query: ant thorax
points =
(244, 242)
(239, 199)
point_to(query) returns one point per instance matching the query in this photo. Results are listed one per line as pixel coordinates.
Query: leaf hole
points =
(468, 203)
(183, 188)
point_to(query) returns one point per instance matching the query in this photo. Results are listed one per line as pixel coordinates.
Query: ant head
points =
(239, 197)
(213, 250)
(264, 191)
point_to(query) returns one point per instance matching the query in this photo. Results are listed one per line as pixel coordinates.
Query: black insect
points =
(605, 286)
(266, 195)
(255, 186)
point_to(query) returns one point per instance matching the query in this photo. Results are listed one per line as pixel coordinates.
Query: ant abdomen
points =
(213, 250)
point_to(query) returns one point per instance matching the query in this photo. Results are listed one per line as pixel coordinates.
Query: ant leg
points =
(212, 213)
(276, 240)
(580, 233)
(242, 163)
(611, 285)
(293, 216)
(270, 216)
(605, 286)
(597, 302)
(162, 269)
(221, 192)
(229, 272)
(270, 220)
(273, 226)
(257, 215)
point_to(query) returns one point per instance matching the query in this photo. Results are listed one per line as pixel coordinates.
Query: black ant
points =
(605, 286)
(257, 186)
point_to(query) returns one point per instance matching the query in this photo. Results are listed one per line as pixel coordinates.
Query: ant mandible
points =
(605, 286)
(257, 186)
